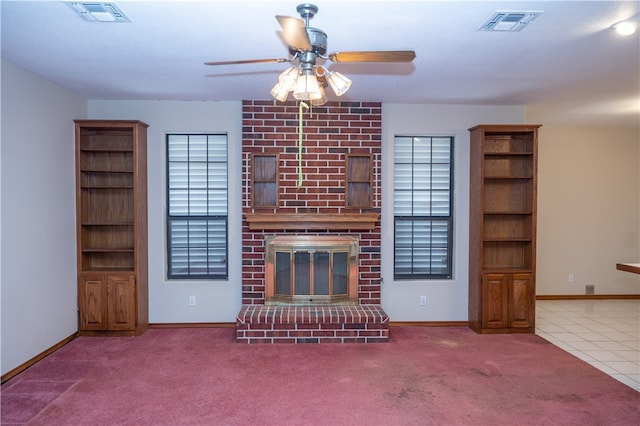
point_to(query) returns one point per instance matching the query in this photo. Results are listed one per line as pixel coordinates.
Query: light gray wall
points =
(447, 300)
(216, 301)
(38, 246)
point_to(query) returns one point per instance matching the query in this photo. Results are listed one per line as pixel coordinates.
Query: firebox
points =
(311, 270)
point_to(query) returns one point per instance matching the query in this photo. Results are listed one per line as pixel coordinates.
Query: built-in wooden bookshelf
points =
(502, 232)
(111, 199)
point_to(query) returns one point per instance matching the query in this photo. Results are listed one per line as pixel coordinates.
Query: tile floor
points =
(604, 333)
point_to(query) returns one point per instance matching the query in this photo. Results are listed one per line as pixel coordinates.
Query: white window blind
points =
(197, 206)
(423, 188)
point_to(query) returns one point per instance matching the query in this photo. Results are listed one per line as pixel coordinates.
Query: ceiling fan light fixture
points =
(307, 80)
(338, 82)
(307, 88)
(280, 92)
(322, 99)
(288, 78)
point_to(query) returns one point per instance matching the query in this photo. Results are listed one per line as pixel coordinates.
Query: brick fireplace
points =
(337, 195)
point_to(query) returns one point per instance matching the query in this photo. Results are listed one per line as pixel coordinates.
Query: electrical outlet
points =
(423, 300)
(192, 301)
(571, 278)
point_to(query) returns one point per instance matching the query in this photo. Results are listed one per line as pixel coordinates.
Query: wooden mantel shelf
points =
(323, 221)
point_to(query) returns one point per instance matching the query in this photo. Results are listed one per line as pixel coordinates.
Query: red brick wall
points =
(330, 132)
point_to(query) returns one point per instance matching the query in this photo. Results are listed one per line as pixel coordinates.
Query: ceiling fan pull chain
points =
(302, 104)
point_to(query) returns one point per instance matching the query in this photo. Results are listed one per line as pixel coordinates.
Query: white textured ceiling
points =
(568, 62)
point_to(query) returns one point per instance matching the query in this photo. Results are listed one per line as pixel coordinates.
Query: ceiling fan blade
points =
(374, 56)
(247, 61)
(294, 33)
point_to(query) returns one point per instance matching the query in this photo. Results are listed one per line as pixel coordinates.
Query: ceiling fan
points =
(306, 79)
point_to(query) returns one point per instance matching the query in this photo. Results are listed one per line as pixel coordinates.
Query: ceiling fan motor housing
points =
(318, 41)
(317, 37)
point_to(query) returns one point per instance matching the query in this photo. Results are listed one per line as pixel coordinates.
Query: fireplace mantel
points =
(317, 221)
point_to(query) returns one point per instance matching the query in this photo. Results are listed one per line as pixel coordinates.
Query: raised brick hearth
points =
(312, 324)
(332, 133)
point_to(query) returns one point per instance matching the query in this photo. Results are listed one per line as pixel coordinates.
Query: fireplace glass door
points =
(310, 273)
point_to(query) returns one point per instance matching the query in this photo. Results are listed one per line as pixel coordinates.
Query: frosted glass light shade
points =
(320, 98)
(288, 78)
(307, 88)
(280, 92)
(339, 83)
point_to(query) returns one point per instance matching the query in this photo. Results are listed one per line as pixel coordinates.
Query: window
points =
(197, 206)
(422, 197)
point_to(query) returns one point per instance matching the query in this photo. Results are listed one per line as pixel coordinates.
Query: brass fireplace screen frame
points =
(330, 244)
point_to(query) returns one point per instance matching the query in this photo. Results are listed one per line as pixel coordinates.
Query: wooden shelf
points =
(508, 213)
(110, 269)
(507, 154)
(506, 270)
(320, 221)
(507, 177)
(107, 223)
(507, 239)
(108, 250)
(107, 150)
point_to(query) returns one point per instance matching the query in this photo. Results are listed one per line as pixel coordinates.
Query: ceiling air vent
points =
(510, 21)
(98, 12)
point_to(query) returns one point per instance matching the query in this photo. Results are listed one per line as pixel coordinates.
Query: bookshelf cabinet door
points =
(521, 297)
(495, 306)
(93, 303)
(121, 291)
